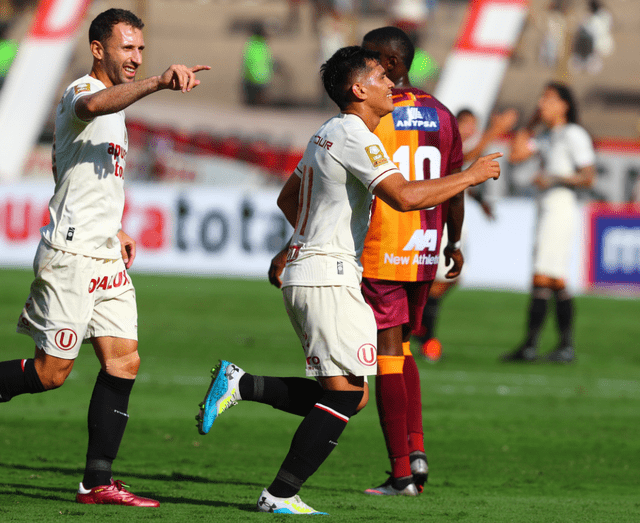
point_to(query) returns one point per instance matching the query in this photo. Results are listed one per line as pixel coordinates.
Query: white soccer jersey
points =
(88, 168)
(565, 149)
(342, 165)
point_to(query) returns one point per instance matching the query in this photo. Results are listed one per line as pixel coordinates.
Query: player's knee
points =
(51, 371)
(346, 402)
(123, 366)
(53, 378)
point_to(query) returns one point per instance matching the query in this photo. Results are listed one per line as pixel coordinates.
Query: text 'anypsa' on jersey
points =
(416, 119)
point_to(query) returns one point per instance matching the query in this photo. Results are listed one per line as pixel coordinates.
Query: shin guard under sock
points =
(293, 395)
(107, 421)
(18, 377)
(314, 440)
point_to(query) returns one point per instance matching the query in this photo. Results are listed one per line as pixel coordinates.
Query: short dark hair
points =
(566, 95)
(464, 113)
(396, 37)
(339, 71)
(102, 24)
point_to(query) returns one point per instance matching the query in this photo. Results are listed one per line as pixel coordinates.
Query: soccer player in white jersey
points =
(327, 200)
(82, 291)
(568, 164)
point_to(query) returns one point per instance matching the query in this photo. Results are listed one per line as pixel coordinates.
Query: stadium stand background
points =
(214, 31)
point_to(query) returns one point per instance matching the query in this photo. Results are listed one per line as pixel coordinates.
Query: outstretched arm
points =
(403, 195)
(118, 97)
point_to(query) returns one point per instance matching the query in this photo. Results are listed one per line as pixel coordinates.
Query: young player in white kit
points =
(327, 200)
(568, 163)
(82, 291)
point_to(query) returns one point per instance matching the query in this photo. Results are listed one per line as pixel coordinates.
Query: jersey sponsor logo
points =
(368, 355)
(109, 282)
(421, 240)
(65, 339)
(82, 88)
(323, 143)
(418, 259)
(376, 155)
(70, 232)
(313, 363)
(416, 119)
(118, 151)
(340, 267)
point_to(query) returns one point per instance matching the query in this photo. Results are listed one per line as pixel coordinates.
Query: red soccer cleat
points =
(431, 349)
(114, 494)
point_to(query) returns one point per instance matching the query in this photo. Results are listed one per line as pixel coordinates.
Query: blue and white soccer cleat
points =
(292, 505)
(223, 393)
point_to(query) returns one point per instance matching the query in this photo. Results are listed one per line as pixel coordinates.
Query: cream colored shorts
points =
(336, 328)
(555, 230)
(74, 298)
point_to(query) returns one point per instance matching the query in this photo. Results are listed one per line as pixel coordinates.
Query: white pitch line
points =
(472, 383)
(510, 384)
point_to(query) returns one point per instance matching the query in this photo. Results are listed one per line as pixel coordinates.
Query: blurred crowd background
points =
(263, 96)
(203, 169)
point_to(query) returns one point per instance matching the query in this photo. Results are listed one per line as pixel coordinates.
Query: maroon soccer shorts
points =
(396, 302)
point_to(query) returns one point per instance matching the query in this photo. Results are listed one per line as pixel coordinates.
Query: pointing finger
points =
(493, 156)
(197, 68)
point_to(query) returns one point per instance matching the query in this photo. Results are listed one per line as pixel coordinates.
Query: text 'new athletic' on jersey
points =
(421, 136)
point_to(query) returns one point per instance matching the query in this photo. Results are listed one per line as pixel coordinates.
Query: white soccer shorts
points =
(336, 327)
(74, 298)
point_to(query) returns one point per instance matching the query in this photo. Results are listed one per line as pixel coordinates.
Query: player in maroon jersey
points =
(421, 136)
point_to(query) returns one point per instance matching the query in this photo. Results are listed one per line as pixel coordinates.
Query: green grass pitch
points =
(506, 442)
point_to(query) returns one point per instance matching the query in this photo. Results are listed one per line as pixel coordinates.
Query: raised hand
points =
(179, 77)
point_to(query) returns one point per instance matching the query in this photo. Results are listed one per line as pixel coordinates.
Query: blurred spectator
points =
(336, 29)
(257, 66)
(593, 40)
(568, 165)
(473, 145)
(423, 68)
(411, 16)
(553, 47)
(292, 24)
(8, 50)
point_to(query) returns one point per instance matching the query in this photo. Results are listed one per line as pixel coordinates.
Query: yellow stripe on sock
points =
(390, 365)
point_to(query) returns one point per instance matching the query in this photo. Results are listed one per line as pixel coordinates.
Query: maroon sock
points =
(414, 404)
(391, 398)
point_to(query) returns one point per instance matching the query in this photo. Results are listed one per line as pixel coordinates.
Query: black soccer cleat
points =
(521, 354)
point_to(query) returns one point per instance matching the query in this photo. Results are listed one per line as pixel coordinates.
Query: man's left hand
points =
(128, 248)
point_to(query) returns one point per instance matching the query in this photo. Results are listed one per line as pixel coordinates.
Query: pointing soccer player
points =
(82, 291)
(327, 200)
